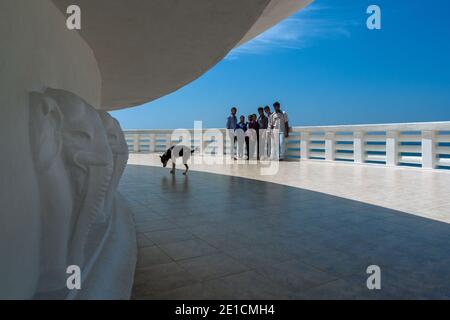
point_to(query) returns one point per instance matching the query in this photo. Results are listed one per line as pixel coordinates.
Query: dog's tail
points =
(194, 150)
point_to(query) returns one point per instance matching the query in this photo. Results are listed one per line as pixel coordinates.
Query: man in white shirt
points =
(279, 125)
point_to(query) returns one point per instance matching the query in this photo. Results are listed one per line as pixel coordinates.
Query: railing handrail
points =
(424, 144)
(419, 126)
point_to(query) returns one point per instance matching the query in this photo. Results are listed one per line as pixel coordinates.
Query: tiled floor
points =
(216, 236)
(420, 192)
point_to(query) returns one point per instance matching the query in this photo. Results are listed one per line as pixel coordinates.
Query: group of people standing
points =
(263, 134)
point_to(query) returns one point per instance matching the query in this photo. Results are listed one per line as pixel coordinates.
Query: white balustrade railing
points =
(425, 145)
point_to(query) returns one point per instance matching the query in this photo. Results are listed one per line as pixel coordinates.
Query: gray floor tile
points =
(143, 241)
(169, 236)
(144, 274)
(196, 291)
(246, 286)
(260, 255)
(188, 249)
(337, 263)
(227, 241)
(212, 266)
(160, 279)
(296, 275)
(150, 256)
(155, 225)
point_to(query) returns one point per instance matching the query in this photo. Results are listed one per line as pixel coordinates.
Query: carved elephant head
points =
(55, 191)
(119, 148)
(45, 130)
(89, 160)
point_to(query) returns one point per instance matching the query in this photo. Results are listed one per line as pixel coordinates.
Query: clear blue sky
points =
(325, 67)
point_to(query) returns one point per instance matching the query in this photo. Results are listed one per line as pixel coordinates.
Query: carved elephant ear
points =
(45, 130)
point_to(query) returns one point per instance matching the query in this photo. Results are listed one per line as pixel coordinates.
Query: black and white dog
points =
(175, 152)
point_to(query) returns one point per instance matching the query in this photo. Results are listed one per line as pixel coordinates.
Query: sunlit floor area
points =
(308, 232)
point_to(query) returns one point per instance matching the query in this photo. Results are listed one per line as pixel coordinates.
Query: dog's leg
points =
(187, 169)
(173, 168)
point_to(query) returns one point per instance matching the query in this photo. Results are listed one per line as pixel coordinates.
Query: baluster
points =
(304, 145)
(168, 140)
(391, 148)
(358, 147)
(152, 143)
(136, 143)
(329, 146)
(428, 149)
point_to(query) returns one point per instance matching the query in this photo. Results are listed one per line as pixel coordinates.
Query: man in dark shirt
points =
(231, 127)
(263, 124)
(251, 137)
(232, 119)
(263, 121)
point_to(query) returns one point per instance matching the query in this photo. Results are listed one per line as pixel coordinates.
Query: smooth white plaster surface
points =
(147, 49)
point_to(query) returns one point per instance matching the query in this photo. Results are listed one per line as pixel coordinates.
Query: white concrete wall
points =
(37, 51)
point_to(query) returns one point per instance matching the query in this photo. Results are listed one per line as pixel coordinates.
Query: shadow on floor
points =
(209, 236)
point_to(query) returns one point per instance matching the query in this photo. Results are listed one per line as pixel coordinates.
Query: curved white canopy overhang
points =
(147, 49)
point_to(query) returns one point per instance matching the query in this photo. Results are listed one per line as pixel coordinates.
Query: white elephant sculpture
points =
(79, 156)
